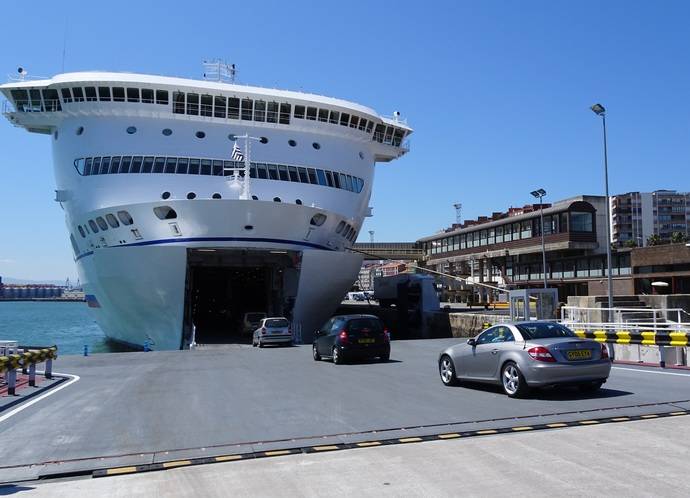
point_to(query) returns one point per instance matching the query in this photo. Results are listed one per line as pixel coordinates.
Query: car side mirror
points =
(472, 342)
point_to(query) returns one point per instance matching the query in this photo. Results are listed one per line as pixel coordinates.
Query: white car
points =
(274, 330)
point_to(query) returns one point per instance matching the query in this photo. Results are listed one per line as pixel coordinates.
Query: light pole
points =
(600, 111)
(540, 194)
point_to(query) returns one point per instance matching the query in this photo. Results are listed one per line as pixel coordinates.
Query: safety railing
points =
(15, 357)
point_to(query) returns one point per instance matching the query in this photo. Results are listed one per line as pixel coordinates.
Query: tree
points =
(678, 238)
(654, 240)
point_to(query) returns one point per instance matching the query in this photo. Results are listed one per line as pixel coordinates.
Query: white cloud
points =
(6, 261)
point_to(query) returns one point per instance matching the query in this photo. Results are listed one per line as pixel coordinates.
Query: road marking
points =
(50, 392)
(523, 428)
(325, 448)
(369, 443)
(588, 422)
(410, 439)
(487, 431)
(621, 419)
(177, 463)
(121, 470)
(678, 413)
(650, 416)
(228, 458)
(448, 436)
(277, 453)
(559, 424)
(650, 371)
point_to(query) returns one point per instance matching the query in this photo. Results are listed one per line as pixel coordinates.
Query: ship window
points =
(303, 176)
(294, 176)
(362, 124)
(311, 113)
(147, 95)
(191, 195)
(193, 104)
(389, 135)
(118, 94)
(272, 116)
(51, 100)
(78, 94)
(316, 145)
(94, 227)
(228, 168)
(263, 140)
(312, 176)
(370, 125)
(254, 198)
(299, 111)
(182, 166)
(165, 195)
(398, 137)
(200, 134)
(132, 95)
(205, 166)
(261, 170)
(79, 165)
(104, 93)
(260, 110)
(219, 108)
(167, 132)
(334, 117)
(234, 108)
(252, 171)
(105, 166)
(162, 97)
(90, 92)
(165, 212)
(81, 231)
(87, 166)
(350, 187)
(336, 179)
(216, 196)
(247, 106)
(193, 166)
(298, 202)
(159, 165)
(148, 165)
(361, 154)
(361, 185)
(136, 165)
(343, 181)
(344, 119)
(321, 177)
(272, 172)
(378, 134)
(115, 165)
(340, 227)
(131, 130)
(354, 121)
(125, 218)
(101, 223)
(285, 113)
(329, 178)
(217, 168)
(112, 221)
(178, 102)
(96, 167)
(207, 105)
(292, 143)
(277, 199)
(282, 173)
(323, 115)
(80, 130)
(66, 95)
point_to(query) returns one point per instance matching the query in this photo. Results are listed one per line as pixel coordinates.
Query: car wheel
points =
(336, 356)
(253, 343)
(315, 353)
(446, 369)
(512, 380)
(260, 344)
(385, 357)
(590, 387)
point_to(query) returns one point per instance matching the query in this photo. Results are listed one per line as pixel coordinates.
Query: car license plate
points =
(366, 341)
(581, 354)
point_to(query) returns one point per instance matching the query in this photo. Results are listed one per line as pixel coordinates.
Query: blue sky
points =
(498, 93)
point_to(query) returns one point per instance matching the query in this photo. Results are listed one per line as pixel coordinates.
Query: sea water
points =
(68, 325)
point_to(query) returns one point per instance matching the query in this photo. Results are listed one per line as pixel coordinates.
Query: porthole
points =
(165, 213)
(55, 135)
(318, 219)
(276, 199)
(255, 198)
(232, 137)
(167, 132)
(298, 202)
(80, 130)
(200, 134)
(249, 227)
(132, 130)
(316, 145)
(292, 143)
(165, 195)
(361, 155)
(340, 227)
(191, 195)
(81, 231)
(112, 221)
(263, 140)
(94, 227)
(216, 196)
(125, 217)
(101, 223)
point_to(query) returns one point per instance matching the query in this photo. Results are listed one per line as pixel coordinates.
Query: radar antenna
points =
(218, 70)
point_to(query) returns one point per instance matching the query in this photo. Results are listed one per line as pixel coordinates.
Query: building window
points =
(581, 222)
(526, 229)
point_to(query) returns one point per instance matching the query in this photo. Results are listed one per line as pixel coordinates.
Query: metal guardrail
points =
(26, 358)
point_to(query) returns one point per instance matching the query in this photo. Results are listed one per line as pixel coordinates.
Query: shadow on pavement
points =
(562, 393)
(12, 489)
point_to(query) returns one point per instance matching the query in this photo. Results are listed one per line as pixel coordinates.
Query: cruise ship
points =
(189, 203)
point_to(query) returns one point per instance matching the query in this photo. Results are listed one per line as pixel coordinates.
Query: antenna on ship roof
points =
(218, 70)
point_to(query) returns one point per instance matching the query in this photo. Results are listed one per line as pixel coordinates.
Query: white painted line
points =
(73, 379)
(650, 371)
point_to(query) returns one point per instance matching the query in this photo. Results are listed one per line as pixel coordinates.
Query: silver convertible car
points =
(522, 355)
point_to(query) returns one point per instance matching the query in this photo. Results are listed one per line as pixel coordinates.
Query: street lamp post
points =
(599, 110)
(540, 194)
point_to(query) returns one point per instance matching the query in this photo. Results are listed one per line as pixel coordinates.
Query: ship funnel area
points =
(228, 290)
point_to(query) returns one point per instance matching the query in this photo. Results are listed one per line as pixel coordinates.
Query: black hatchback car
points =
(350, 337)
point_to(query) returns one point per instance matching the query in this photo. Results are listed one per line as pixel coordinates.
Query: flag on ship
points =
(237, 153)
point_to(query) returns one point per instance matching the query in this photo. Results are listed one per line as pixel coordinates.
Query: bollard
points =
(32, 375)
(49, 368)
(11, 381)
(86, 350)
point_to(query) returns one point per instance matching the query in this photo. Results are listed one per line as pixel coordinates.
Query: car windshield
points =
(255, 317)
(276, 322)
(365, 324)
(544, 330)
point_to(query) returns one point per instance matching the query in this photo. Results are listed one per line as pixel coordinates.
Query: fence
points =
(14, 357)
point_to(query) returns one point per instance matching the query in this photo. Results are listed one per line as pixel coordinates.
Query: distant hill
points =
(23, 281)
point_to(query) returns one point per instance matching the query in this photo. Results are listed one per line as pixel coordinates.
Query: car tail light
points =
(263, 330)
(343, 337)
(386, 335)
(604, 352)
(540, 353)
